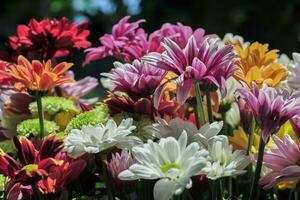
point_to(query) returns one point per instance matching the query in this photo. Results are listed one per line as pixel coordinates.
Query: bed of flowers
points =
(188, 115)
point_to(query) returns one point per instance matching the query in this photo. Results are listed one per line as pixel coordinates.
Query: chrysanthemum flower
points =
(223, 161)
(257, 63)
(37, 76)
(208, 62)
(93, 117)
(94, 139)
(47, 39)
(4, 78)
(176, 126)
(229, 38)
(239, 140)
(294, 72)
(271, 107)
(283, 161)
(137, 79)
(31, 127)
(171, 161)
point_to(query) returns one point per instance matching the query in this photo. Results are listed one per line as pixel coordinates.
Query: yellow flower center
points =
(165, 168)
(30, 167)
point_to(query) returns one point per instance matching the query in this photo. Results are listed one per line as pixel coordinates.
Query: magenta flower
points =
(283, 161)
(137, 79)
(126, 41)
(271, 107)
(208, 62)
(118, 163)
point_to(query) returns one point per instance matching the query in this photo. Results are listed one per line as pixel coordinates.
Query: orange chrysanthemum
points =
(37, 76)
(257, 63)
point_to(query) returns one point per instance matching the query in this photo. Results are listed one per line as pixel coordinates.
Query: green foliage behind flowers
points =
(7, 146)
(53, 104)
(139, 120)
(93, 117)
(2, 182)
(31, 127)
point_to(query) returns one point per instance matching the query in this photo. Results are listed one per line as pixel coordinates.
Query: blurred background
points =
(267, 21)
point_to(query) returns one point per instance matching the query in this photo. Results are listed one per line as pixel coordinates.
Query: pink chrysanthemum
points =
(137, 79)
(283, 161)
(207, 61)
(271, 107)
(47, 39)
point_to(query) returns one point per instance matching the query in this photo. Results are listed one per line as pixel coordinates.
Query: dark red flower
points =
(47, 39)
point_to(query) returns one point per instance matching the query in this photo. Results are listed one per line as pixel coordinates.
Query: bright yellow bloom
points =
(257, 63)
(38, 76)
(239, 140)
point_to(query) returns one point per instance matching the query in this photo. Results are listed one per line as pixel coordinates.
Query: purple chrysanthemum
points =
(137, 79)
(208, 61)
(271, 107)
(283, 162)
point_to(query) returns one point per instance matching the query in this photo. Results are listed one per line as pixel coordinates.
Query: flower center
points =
(30, 167)
(167, 167)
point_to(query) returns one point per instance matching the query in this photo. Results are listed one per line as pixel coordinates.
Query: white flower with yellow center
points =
(171, 161)
(94, 139)
(223, 161)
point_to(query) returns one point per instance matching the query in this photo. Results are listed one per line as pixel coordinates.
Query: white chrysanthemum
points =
(231, 84)
(233, 115)
(294, 72)
(283, 59)
(234, 39)
(223, 161)
(175, 127)
(94, 139)
(171, 161)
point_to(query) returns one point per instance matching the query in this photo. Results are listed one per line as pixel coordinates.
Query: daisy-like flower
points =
(171, 161)
(271, 107)
(294, 72)
(258, 64)
(208, 61)
(229, 38)
(4, 78)
(47, 39)
(137, 79)
(37, 76)
(94, 139)
(175, 127)
(223, 161)
(282, 162)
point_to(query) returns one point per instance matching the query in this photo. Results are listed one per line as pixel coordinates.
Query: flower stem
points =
(105, 176)
(200, 111)
(255, 186)
(36, 192)
(40, 113)
(209, 109)
(215, 189)
(250, 135)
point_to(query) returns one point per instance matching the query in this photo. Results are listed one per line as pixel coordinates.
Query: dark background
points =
(270, 21)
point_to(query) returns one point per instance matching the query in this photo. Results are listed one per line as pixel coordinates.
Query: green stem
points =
(200, 111)
(209, 108)
(40, 113)
(36, 192)
(105, 176)
(215, 189)
(255, 186)
(250, 135)
(230, 187)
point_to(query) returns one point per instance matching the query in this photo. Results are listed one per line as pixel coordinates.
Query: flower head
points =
(4, 78)
(271, 107)
(176, 126)
(294, 72)
(137, 79)
(171, 161)
(126, 41)
(258, 64)
(53, 105)
(223, 161)
(94, 139)
(208, 62)
(283, 162)
(48, 39)
(118, 163)
(229, 38)
(37, 76)
(31, 127)
(93, 117)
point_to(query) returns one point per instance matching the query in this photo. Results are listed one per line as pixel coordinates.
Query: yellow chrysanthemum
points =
(257, 63)
(171, 86)
(239, 140)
